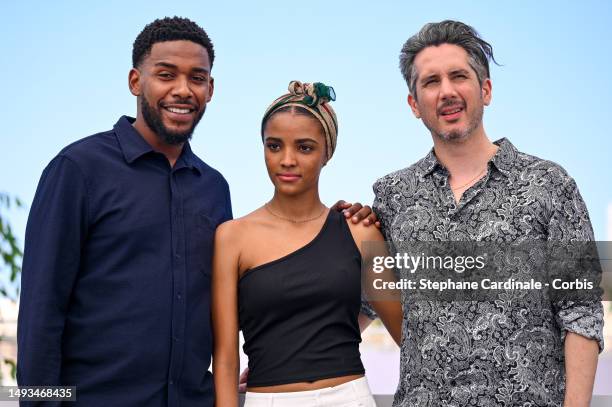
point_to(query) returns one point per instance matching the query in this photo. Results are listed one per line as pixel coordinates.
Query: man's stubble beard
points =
(459, 135)
(153, 119)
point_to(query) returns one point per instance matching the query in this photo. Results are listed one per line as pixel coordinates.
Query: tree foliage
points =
(10, 250)
(10, 268)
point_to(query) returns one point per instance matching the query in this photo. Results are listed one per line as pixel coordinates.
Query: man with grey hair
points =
(471, 189)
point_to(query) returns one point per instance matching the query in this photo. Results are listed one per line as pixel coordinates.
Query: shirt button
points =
(179, 296)
(171, 381)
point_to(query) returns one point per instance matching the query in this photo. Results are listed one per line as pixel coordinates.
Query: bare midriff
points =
(305, 386)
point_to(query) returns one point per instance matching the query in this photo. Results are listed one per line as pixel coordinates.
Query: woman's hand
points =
(242, 381)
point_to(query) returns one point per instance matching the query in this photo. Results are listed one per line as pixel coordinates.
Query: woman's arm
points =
(387, 306)
(390, 312)
(226, 362)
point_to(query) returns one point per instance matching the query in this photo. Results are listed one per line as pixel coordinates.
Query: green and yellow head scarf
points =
(315, 98)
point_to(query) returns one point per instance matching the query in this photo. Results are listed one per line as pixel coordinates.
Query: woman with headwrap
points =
(289, 274)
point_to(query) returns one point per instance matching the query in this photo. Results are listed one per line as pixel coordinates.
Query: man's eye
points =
(165, 75)
(273, 146)
(199, 78)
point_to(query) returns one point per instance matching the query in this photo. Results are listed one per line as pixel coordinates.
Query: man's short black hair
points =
(170, 29)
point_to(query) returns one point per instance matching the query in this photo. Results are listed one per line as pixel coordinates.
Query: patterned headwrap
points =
(313, 97)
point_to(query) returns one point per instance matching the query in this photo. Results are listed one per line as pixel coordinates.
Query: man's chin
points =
(178, 127)
(174, 134)
(174, 138)
(453, 136)
(457, 135)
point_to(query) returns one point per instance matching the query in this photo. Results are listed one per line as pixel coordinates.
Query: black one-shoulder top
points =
(299, 313)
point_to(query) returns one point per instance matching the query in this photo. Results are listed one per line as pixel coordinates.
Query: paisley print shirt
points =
(486, 353)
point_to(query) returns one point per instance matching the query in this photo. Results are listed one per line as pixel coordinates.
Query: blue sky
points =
(65, 65)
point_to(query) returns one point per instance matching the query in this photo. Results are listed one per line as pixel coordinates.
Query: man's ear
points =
(487, 91)
(134, 81)
(413, 105)
(211, 89)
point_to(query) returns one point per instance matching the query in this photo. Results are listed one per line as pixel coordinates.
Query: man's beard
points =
(153, 119)
(460, 135)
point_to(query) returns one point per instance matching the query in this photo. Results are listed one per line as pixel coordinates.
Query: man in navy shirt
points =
(116, 272)
(115, 293)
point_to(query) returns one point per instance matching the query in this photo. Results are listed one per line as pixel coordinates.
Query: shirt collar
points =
(429, 163)
(134, 146)
(189, 158)
(131, 142)
(502, 160)
(505, 157)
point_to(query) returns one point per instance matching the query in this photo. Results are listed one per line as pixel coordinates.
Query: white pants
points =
(355, 393)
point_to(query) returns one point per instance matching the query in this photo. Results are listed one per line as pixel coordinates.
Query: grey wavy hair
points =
(446, 32)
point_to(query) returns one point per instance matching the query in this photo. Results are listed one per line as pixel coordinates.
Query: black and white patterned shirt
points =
(486, 353)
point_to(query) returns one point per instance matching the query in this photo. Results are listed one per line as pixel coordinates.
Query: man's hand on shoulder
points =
(357, 212)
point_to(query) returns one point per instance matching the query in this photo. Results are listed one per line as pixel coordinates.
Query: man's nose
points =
(181, 88)
(447, 89)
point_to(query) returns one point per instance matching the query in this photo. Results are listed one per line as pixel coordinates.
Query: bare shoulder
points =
(236, 229)
(362, 233)
(228, 229)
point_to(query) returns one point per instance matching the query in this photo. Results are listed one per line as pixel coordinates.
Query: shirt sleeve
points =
(228, 205)
(367, 310)
(569, 223)
(381, 208)
(55, 234)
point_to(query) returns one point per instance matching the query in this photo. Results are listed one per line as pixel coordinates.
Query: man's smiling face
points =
(174, 85)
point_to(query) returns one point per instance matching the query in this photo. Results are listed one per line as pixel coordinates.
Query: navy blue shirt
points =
(115, 289)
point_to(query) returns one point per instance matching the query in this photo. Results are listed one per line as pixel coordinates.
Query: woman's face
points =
(294, 151)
